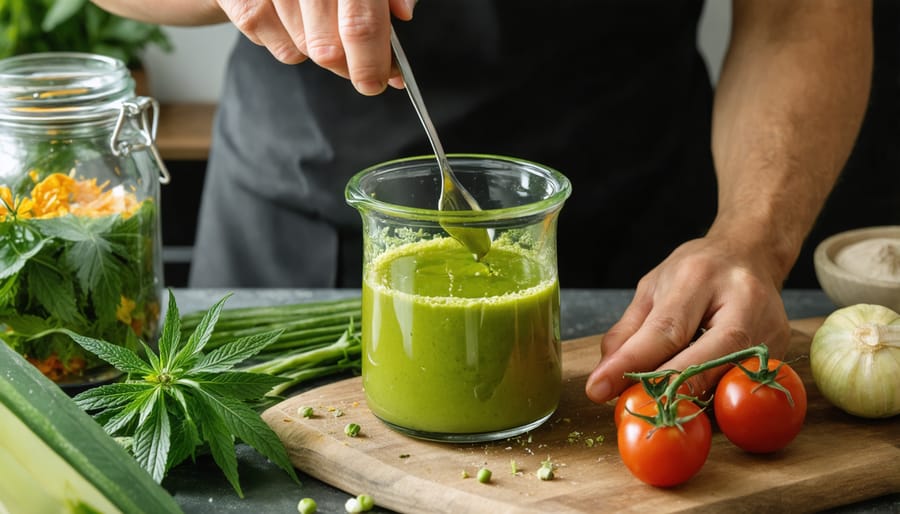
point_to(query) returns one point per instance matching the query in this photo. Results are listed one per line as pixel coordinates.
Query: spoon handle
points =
(453, 195)
(418, 103)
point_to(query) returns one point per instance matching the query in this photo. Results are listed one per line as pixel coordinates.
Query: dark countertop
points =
(201, 487)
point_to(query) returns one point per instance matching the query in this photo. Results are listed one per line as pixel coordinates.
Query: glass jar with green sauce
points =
(458, 349)
(80, 245)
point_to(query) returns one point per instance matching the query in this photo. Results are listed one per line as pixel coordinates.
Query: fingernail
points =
(411, 4)
(369, 87)
(396, 83)
(600, 391)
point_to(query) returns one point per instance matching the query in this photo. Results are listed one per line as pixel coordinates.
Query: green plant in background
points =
(29, 26)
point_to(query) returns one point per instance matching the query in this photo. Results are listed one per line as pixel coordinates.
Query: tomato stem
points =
(653, 382)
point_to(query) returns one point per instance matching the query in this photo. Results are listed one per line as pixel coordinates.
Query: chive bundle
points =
(319, 338)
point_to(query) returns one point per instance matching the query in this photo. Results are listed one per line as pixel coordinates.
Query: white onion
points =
(855, 360)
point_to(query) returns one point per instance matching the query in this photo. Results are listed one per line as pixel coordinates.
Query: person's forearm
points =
(788, 106)
(167, 12)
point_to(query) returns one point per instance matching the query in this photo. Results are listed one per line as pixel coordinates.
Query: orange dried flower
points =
(124, 310)
(14, 207)
(55, 369)
(59, 194)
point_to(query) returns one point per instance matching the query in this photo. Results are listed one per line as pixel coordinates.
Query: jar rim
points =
(62, 88)
(359, 199)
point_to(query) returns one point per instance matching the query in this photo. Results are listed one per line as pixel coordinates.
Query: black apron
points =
(614, 94)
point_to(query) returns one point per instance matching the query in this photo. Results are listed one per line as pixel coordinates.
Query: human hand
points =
(349, 37)
(711, 283)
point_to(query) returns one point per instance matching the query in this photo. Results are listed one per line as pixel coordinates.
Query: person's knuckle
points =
(751, 285)
(646, 284)
(246, 15)
(612, 339)
(324, 49)
(671, 331)
(358, 27)
(298, 36)
(285, 51)
(733, 338)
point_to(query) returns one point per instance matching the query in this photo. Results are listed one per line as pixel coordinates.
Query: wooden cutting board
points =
(837, 459)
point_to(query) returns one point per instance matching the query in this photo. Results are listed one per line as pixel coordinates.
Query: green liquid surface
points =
(455, 346)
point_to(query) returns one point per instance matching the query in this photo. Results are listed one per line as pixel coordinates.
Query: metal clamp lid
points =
(148, 110)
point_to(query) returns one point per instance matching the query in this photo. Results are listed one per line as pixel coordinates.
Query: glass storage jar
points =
(457, 349)
(80, 242)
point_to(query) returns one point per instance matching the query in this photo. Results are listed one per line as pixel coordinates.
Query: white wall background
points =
(193, 72)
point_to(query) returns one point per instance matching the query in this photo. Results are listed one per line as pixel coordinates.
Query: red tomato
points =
(668, 455)
(636, 397)
(756, 417)
(631, 399)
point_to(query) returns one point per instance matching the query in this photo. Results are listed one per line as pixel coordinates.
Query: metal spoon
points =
(454, 197)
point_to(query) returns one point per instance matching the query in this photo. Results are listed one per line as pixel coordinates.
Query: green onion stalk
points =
(318, 338)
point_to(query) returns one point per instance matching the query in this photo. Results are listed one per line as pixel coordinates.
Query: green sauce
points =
(454, 346)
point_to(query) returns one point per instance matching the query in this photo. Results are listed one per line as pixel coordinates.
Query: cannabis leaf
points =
(53, 291)
(91, 254)
(20, 243)
(181, 398)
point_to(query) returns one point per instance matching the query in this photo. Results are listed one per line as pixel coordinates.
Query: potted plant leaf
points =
(28, 26)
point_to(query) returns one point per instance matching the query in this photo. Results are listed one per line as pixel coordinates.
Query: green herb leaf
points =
(55, 292)
(171, 331)
(152, 358)
(77, 280)
(111, 395)
(78, 228)
(185, 398)
(26, 324)
(122, 418)
(227, 356)
(107, 291)
(221, 443)
(152, 437)
(238, 385)
(184, 442)
(90, 253)
(21, 243)
(123, 359)
(249, 427)
(187, 355)
(9, 288)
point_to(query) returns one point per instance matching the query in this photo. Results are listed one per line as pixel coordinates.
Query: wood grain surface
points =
(837, 459)
(185, 131)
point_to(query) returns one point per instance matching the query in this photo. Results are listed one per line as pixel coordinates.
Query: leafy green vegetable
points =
(181, 398)
(28, 26)
(91, 275)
